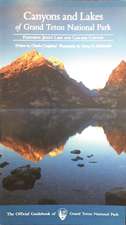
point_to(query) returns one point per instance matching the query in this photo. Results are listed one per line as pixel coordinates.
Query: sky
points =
(92, 66)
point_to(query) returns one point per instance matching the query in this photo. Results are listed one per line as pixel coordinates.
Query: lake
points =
(61, 156)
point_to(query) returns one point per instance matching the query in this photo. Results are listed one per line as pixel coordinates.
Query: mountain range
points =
(33, 81)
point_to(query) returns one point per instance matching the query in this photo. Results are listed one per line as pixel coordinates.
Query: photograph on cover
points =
(62, 103)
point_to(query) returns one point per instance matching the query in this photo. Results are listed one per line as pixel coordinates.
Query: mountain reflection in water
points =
(36, 134)
(79, 138)
(114, 126)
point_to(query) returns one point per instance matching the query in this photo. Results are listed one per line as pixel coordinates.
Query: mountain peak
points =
(44, 83)
(27, 61)
(118, 75)
(33, 54)
(30, 59)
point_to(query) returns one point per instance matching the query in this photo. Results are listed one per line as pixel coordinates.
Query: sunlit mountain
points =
(33, 81)
(114, 93)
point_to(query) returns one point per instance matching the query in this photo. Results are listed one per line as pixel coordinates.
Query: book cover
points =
(62, 112)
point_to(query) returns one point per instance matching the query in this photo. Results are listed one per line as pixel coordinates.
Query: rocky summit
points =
(118, 76)
(113, 95)
(33, 81)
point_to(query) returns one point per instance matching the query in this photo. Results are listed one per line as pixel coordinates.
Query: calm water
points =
(46, 139)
